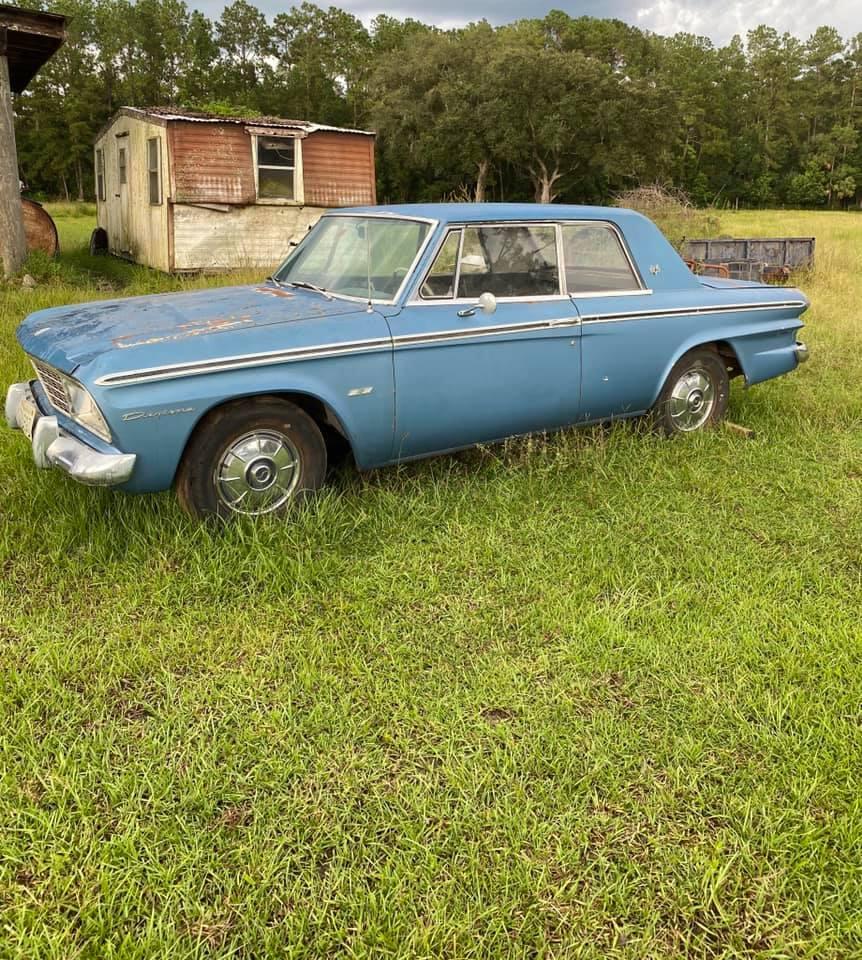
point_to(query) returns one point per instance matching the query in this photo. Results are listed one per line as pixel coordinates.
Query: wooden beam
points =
(13, 243)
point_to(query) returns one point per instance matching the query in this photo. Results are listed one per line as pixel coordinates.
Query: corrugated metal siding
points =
(338, 169)
(211, 163)
(255, 236)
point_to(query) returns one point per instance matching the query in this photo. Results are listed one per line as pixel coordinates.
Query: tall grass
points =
(590, 696)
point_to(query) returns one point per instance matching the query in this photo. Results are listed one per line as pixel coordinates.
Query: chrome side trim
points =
(688, 311)
(197, 367)
(612, 293)
(321, 351)
(413, 339)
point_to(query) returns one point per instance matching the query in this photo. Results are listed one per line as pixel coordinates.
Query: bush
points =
(672, 211)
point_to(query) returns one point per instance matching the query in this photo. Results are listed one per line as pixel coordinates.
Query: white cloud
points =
(720, 23)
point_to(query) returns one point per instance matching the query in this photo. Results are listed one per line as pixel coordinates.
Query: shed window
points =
(595, 260)
(100, 175)
(154, 169)
(276, 168)
(121, 163)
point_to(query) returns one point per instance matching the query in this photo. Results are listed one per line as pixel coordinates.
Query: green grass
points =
(596, 696)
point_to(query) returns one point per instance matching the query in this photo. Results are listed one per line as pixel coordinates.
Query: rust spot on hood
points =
(183, 331)
(274, 292)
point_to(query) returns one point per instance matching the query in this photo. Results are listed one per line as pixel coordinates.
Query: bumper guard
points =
(53, 448)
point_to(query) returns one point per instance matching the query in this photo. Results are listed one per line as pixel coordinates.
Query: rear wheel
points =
(695, 393)
(254, 458)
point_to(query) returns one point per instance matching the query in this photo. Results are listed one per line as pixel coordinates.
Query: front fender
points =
(154, 420)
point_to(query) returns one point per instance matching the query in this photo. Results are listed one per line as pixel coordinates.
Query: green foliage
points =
(564, 108)
(592, 696)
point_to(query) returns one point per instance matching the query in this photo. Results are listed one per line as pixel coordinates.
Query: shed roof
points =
(169, 114)
(28, 38)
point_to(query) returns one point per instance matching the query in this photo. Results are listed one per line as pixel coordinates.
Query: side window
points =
(440, 282)
(509, 261)
(595, 260)
(100, 174)
(154, 171)
(121, 164)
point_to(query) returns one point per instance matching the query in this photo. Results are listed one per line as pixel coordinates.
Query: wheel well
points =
(728, 355)
(335, 437)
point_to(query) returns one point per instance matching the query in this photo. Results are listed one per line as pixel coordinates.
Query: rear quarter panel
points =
(626, 360)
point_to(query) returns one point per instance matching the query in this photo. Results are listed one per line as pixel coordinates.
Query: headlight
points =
(71, 398)
(83, 409)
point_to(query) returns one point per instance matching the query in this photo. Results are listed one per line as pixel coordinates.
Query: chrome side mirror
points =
(487, 303)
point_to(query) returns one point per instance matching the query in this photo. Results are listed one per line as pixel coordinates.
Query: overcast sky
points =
(717, 19)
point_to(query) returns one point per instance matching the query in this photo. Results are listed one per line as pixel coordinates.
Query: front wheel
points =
(695, 394)
(252, 458)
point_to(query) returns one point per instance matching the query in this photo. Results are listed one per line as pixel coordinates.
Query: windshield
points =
(366, 257)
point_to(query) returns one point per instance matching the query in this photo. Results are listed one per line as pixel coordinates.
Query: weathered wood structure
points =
(183, 191)
(27, 39)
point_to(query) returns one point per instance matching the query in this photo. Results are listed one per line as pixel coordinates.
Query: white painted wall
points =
(256, 236)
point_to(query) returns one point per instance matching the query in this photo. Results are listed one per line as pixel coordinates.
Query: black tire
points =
(98, 242)
(234, 463)
(695, 394)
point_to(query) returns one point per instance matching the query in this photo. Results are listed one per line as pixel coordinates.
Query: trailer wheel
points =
(98, 242)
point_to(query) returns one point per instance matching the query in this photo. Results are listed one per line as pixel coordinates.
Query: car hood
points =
(67, 337)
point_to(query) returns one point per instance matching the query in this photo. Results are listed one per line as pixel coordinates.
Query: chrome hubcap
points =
(257, 473)
(691, 401)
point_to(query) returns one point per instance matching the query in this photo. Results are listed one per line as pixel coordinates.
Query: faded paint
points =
(255, 236)
(211, 163)
(137, 229)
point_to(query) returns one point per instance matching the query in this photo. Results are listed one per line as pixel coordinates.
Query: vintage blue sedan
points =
(400, 331)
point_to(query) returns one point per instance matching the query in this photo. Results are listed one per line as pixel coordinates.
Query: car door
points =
(624, 337)
(467, 374)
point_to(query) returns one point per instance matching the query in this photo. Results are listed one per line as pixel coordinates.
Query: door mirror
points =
(487, 303)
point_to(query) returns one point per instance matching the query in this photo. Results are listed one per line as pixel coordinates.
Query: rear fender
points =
(763, 350)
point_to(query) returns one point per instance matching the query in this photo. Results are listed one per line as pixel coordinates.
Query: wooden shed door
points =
(123, 195)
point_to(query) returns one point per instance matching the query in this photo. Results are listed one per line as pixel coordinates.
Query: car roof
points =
(483, 212)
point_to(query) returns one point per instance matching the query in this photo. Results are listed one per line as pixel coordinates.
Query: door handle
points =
(565, 322)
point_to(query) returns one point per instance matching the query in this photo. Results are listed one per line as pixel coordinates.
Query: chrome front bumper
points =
(54, 448)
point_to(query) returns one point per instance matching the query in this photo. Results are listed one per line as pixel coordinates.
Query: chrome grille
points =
(53, 385)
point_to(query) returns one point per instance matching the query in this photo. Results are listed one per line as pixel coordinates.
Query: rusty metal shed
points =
(27, 39)
(185, 191)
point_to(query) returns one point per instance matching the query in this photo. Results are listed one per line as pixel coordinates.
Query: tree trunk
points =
(13, 243)
(79, 176)
(482, 181)
(543, 182)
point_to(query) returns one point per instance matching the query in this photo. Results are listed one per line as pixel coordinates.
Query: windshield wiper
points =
(305, 285)
(275, 280)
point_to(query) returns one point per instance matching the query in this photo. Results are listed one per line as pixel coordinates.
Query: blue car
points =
(400, 331)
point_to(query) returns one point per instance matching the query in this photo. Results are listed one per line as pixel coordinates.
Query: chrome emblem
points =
(155, 414)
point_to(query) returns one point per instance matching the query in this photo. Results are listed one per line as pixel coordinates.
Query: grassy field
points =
(596, 696)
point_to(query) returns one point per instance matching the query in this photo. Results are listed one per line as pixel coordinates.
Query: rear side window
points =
(595, 260)
(517, 260)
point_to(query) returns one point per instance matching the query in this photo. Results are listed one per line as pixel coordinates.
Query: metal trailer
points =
(770, 259)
